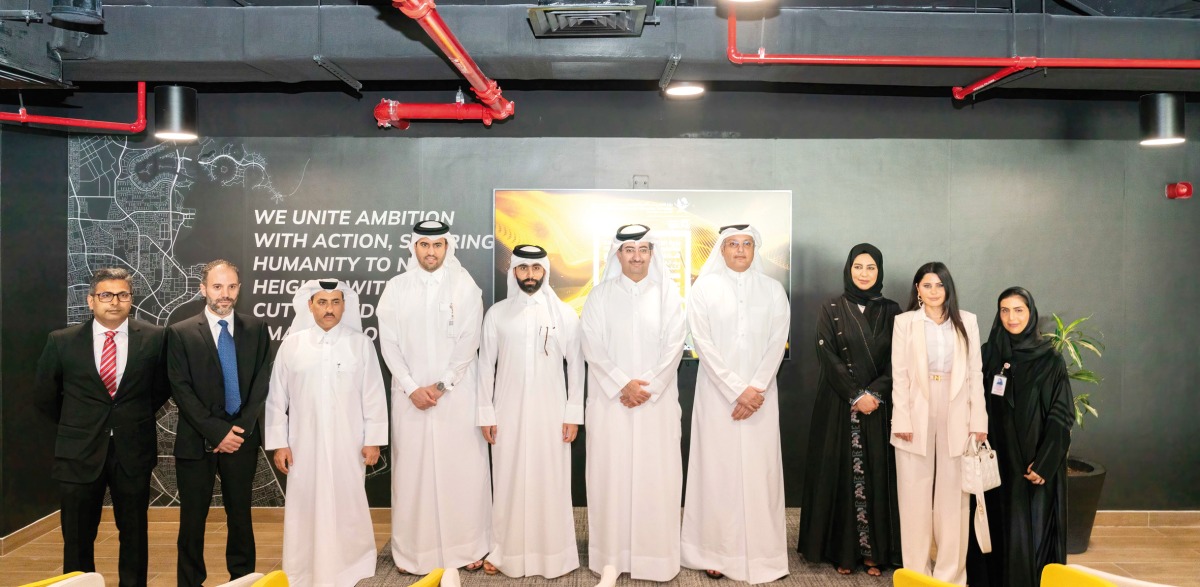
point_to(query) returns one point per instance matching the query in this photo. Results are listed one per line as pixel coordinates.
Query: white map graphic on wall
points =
(126, 209)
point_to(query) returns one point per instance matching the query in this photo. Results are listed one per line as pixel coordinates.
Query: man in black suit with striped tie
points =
(219, 366)
(101, 382)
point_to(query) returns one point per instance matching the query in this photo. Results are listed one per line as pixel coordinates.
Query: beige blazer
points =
(910, 385)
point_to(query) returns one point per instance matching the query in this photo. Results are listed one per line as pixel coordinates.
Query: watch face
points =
(441, 386)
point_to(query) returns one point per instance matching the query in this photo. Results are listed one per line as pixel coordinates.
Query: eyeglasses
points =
(107, 296)
(748, 244)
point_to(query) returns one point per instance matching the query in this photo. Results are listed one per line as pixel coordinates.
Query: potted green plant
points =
(1085, 479)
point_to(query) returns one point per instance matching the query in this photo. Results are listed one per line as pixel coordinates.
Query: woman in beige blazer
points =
(937, 395)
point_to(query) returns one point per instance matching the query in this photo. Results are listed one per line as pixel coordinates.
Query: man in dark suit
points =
(219, 367)
(102, 381)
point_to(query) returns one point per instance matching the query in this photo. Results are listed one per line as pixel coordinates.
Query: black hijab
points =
(1004, 347)
(851, 291)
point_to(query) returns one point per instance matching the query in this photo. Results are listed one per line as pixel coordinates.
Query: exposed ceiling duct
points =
(581, 18)
(1010, 65)
(182, 41)
(277, 44)
(25, 59)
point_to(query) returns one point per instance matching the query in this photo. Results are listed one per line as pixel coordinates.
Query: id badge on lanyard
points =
(999, 382)
(448, 309)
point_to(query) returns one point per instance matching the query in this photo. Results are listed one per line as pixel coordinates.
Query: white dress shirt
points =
(216, 328)
(122, 340)
(939, 344)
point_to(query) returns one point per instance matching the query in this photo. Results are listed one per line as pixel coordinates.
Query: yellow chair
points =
(430, 580)
(53, 580)
(82, 580)
(1056, 575)
(273, 579)
(245, 581)
(908, 578)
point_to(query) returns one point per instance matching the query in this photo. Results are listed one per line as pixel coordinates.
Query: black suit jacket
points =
(199, 388)
(71, 393)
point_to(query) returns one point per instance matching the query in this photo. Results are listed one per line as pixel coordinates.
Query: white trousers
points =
(933, 507)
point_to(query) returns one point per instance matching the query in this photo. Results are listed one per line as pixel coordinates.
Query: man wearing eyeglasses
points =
(733, 516)
(101, 382)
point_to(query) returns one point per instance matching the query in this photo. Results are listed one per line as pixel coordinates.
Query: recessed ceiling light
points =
(684, 90)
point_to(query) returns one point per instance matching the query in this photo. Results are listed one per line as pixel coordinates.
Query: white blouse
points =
(939, 344)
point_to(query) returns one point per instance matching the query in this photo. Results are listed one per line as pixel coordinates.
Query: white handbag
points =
(980, 472)
(980, 468)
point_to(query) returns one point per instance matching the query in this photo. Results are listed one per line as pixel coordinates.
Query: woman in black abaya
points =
(848, 514)
(1029, 427)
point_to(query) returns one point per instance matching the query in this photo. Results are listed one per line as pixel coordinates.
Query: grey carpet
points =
(802, 573)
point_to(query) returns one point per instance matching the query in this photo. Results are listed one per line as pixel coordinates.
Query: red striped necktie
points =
(108, 363)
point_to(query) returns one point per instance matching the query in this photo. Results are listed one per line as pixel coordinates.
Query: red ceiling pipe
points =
(398, 114)
(391, 113)
(1009, 65)
(134, 127)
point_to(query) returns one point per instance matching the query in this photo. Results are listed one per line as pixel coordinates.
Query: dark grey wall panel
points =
(1147, 438)
(1050, 216)
(889, 193)
(33, 257)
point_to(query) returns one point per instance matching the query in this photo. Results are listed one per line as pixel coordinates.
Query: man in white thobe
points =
(326, 417)
(733, 518)
(633, 334)
(429, 320)
(530, 413)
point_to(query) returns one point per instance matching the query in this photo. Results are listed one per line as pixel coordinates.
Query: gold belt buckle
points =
(935, 377)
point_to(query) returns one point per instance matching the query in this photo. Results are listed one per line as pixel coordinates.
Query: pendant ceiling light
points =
(175, 113)
(1161, 118)
(85, 12)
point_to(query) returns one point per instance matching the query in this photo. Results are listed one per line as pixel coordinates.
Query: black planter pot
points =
(1083, 497)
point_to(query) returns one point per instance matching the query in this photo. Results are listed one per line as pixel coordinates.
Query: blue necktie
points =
(228, 356)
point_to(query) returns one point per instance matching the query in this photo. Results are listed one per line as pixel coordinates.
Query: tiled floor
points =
(1162, 554)
(1152, 547)
(42, 557)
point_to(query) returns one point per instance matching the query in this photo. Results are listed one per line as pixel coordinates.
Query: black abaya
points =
(1030, 425)
(849, 512)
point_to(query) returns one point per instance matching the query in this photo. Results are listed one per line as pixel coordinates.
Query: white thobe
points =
(634, 465)
(441, 488)
(524, 393)
(326, 402)
(733, 519)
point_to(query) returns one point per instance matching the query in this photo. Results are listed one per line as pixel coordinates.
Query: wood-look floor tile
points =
(1110, 568)
(1123, 555)
(46, 565)
(45, 550)
(268, 515)
(1178, 531)
(1119, 518)
(1166, 571)
(1191, 518)
(14, 578)
(1107, 531)
(1136, 541)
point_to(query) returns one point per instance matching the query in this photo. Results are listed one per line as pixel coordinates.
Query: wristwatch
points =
(441, 386)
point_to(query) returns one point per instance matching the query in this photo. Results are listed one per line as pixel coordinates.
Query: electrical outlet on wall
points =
(641, 182)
